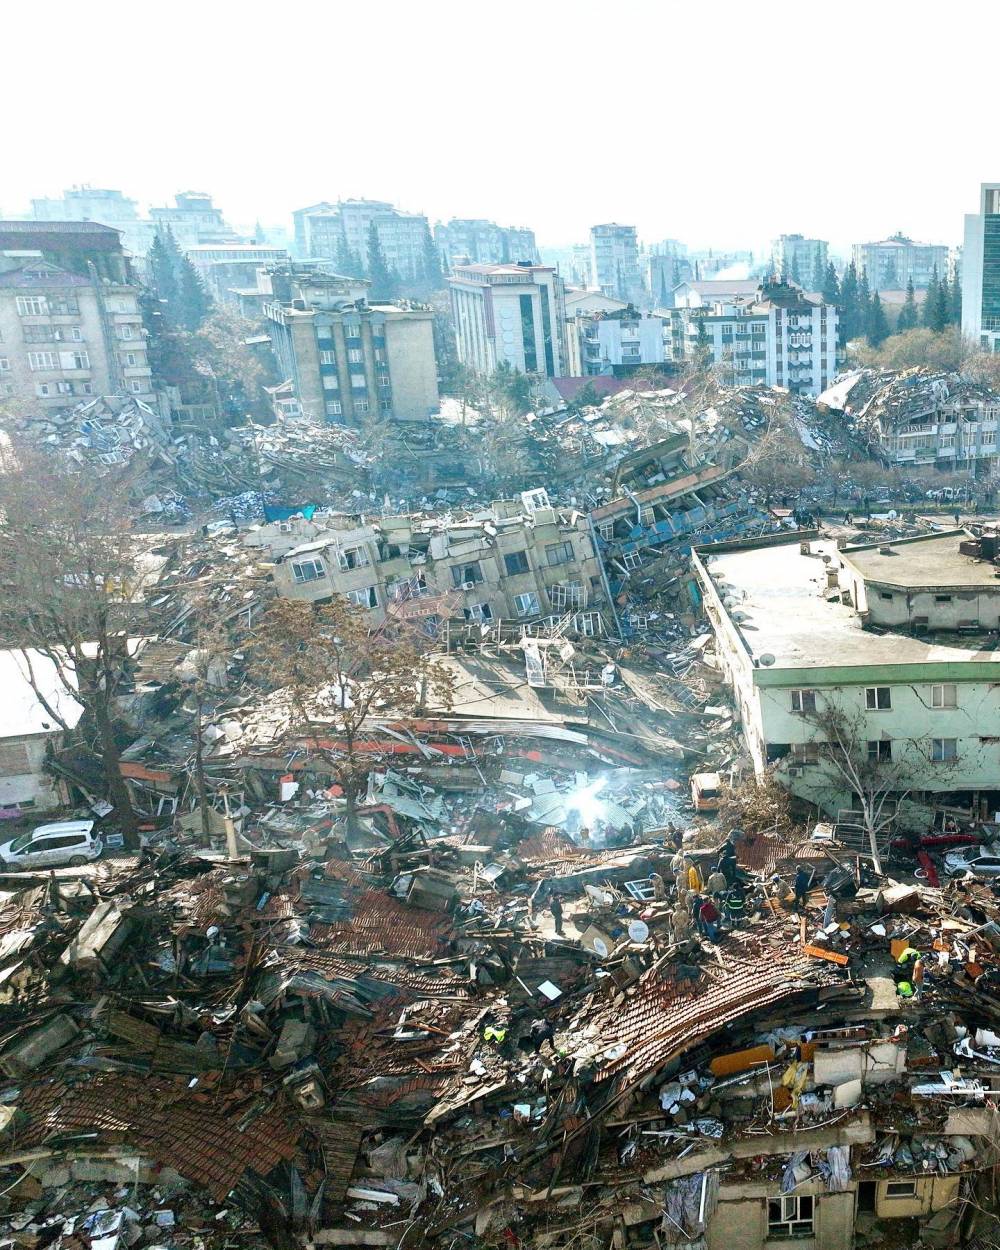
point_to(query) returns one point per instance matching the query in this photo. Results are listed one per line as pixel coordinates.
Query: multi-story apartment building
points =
(894, 262)
(349, 360)
(981, 271)
(613, 342)
(614, 261)
(70, 324)
(510, 313)
(223, 266)
(779, 336)
(924, 419)
(519, 560)
(795, 258)
(474, 241)
(872, 663)
(193, 219)
(322, 230)
(107, 207)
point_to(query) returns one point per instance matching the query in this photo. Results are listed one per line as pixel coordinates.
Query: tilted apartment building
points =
(521, 560)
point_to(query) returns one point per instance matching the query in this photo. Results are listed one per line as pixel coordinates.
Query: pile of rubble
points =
(465, 1028)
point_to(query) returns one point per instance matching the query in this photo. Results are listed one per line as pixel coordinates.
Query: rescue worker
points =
(803, 883)
(695, 883)
(710, 918)
(735, 903)
(680, 924)
(659, 887)
(918, 976)
(542, 1031)
(555, 907)
(717, 884)
(904, 964)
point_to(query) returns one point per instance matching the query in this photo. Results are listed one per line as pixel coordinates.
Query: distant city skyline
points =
(433, 136)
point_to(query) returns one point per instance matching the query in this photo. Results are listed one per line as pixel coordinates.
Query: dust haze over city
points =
(500, 594)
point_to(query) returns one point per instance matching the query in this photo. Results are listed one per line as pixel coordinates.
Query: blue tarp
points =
(274, 513)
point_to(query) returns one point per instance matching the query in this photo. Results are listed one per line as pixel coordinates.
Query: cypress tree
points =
(193, 301)
(163, 258)
(830, 286)
(378, 270)
(817, 274)
(849, 303)
(908, 314)
(955, 298)
(431, 261)
(793, 272)
(878, 326)
(931, 301)
(942, 307)
(348, 262)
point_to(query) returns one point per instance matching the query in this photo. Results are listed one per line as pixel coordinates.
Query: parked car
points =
(980, 863)
(70, 842)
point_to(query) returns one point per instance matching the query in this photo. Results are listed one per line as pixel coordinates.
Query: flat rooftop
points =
(781, 598)
(924, 564)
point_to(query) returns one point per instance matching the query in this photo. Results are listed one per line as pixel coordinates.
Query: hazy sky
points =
(714, 121)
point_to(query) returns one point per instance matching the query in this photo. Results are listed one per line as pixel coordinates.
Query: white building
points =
(797, 259)
(474, 241)
(614, 261)
(510, 313)
(28, 729)
(779, 336)
(613, 342)
(981, 271)
(193, 219)
(919, 699)
(892, 263)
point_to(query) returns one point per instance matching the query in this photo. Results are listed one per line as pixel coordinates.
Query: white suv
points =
(50, 846)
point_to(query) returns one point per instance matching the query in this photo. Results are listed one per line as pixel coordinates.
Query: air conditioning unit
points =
(468, 585)
(795, 770)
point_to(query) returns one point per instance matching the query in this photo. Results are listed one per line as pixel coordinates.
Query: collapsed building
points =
(922, 417)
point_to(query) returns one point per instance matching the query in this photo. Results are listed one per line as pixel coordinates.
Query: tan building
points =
(70, 325)
(522, 560)
(349, 360)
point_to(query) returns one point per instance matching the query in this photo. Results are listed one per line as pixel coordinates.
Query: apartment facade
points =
(193, 219)
(475, 241)
(513, 314)
(795, 258)
(519, 561)
(350, 361)
(321, 231)
(981, 271)
(893, 263)
(886, 640)
(614, 342)
(780, 336)
(614, 261)
(67, 334)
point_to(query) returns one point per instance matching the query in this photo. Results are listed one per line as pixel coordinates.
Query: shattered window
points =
(559, 553)
(791, 1215)
(465, 576)
(880, 750)
(478, 612)
(515, 562)
(366, 597)
(527, 604)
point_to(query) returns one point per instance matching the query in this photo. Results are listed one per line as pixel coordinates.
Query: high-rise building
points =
(70, 325)
(514, 314)
(614, 261)
(105, 206)
(894, 262)
(473, 241)
(981, 270)
(322, 231)
(349, 360)
(797, 259)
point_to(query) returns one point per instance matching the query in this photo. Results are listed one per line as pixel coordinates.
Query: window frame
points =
(882, 753)
(300, 578)
(909, 1188)
(943, 687)
(872, 699)
(370, 594)
(559, 553)
(939, 751)
(791, 1209)
(800, 696)
(533, 606)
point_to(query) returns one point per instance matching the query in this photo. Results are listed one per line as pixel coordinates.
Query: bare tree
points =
(335, 675)
(875, 771)
(71, 585)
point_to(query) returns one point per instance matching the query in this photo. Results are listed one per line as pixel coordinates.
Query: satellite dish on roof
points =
(739, 616)
(600, 947)
(638, 931)
(827, 558)
(767, 659)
